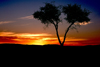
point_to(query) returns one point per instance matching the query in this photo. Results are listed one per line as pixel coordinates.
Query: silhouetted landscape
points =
(47, 45)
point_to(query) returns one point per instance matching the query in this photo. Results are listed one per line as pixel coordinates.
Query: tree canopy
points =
(48, 14)
(75, 13)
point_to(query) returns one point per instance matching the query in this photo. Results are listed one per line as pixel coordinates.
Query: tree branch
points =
(52, 22)
(66, 33)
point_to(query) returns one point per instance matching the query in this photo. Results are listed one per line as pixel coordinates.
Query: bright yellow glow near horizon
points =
(36, 39)
(39, 42)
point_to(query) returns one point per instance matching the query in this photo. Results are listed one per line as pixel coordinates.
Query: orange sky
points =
(43, 38)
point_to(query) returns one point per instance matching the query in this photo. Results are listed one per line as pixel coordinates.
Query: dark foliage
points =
(75, 13)
(48, 14)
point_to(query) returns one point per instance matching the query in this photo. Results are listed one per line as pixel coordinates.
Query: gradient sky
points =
(17, 24)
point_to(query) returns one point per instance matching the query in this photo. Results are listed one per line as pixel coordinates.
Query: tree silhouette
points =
(50, 14)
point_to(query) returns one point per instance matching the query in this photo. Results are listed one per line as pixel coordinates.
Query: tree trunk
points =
(66, 33)
(56, 27)
(61, 44)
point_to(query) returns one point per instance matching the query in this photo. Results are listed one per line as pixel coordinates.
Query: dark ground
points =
(55, 45)
(16, 48)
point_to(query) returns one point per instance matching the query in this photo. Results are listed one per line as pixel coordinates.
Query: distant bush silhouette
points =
(49, 14)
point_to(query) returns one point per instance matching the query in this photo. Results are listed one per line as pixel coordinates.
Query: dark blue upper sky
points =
(91, 4)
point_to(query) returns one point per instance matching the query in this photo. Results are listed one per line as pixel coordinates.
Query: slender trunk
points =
(66, 33)
(56, 27)
(61, 44)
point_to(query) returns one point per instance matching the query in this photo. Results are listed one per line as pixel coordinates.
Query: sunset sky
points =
(18, 26)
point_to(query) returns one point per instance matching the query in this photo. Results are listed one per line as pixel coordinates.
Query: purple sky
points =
(15, 16)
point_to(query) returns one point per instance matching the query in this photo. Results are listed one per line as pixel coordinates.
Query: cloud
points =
(6, 33)
(26, 24)
(5, 22)
(83, 23)
(26, 17)
(26, 35)
(23, 38)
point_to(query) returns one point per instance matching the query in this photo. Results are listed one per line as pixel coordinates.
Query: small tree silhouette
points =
(49, 14)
